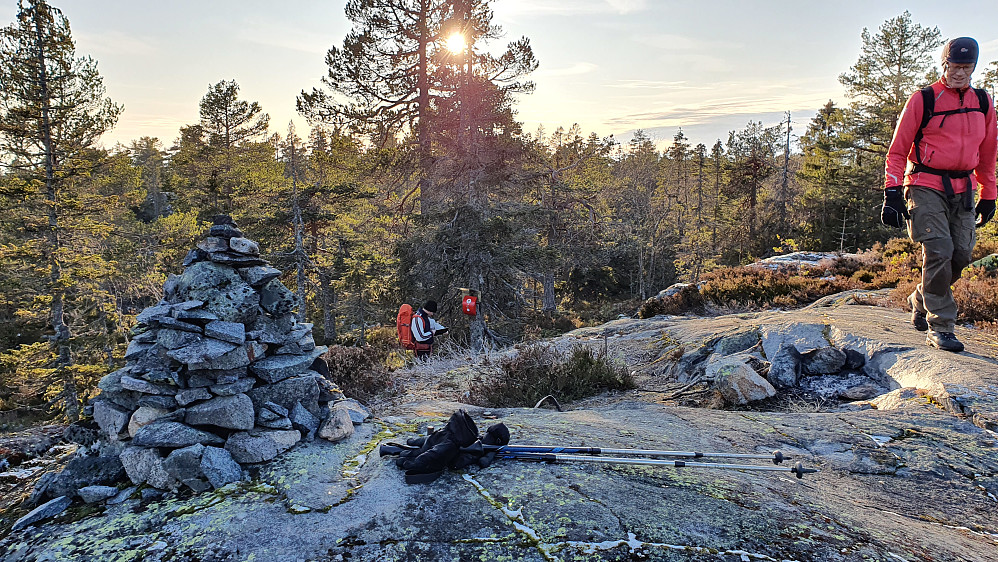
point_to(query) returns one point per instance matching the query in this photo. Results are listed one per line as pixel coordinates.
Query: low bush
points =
(360, 372)
(539, 370)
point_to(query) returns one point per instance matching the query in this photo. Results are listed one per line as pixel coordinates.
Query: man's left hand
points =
(985, 211)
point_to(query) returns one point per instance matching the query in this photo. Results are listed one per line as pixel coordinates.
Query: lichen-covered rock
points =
(259, 275)
(240, 386)
(138, 462)
(276, 299)
(244, 246)
(202, 350)
(260, 446)
(279, 367)
(190, 395)
(304, 421)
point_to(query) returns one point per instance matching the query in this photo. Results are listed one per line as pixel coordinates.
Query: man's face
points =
(958, 75)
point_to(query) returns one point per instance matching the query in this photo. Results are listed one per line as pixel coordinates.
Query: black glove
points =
(895, 210)
(985, 211)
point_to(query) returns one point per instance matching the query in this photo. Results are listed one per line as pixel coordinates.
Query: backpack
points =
(928, 112)
(403, 323)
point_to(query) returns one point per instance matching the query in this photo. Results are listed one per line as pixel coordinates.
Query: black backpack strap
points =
(982, 99)
(928, 105)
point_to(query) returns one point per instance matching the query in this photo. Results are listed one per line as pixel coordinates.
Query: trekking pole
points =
(798, 469)
(777, 457)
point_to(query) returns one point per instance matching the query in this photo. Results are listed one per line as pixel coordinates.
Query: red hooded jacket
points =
(965, 141)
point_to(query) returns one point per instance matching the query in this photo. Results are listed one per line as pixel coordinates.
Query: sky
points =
(612, 66)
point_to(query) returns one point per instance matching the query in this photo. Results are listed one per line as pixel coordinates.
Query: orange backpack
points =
(404, 325)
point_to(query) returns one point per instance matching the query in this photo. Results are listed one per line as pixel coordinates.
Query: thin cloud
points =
(271, 34)
(114, 42)
(574, 70)
(517, 8)
(704, 112)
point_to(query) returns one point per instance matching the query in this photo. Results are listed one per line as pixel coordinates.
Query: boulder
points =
(738, 383)
(259, 275)
(239, 303)
(146, 387)
(236, 358)
(173, 435)
(260, 446)
(219, 467)
(785, 367)
(230, 412)
(734, 343)
(823, 361)
(358, 412)
(203, 279)
(80, 471)
(338, 426)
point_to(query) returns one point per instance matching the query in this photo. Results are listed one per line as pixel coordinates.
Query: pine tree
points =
(53, 109)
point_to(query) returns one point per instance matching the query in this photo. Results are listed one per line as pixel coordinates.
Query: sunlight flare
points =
(455, 43)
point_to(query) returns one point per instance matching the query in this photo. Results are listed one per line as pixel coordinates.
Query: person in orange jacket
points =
(946, 159)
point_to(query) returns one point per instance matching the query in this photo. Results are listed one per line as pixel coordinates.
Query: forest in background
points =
(415, 181)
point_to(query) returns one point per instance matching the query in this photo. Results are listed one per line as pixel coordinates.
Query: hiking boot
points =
(918, 321)
(943, 340)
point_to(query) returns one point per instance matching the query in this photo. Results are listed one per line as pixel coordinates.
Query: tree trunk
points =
(550, 305)
(328, 308)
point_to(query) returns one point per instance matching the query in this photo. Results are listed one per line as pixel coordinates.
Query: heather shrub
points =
(539, 370)
(360, 372)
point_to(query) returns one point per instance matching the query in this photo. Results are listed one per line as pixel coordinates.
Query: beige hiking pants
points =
(946, 232)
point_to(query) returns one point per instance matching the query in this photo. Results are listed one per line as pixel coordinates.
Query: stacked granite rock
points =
(218, 374)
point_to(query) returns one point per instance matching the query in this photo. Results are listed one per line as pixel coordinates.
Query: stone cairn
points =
(218, 374)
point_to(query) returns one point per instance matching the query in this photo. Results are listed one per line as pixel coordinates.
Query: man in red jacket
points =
(949, 157)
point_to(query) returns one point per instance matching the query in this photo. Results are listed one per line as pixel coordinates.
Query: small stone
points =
(304, 421)
(225, 231)
(214, 244)
(235, 260)
(123, 495)
(232, 332)
(44, 511)
(260, 446)
(136, 348)
(219, 467)
(111, 418)
(259, 275)
(175, 339)
(173, 435)
(823, 361)
(855, 360)
(139, 385)
(203, 350)
(158, 401)
(230, 412)
(148, 314)
(276, 299)
(244, 246)
(191, 395)
(279, 367)
(338, 426)
(185, 465)
(143, 417)
(240, 386)
(94, 494)
(194, 256)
